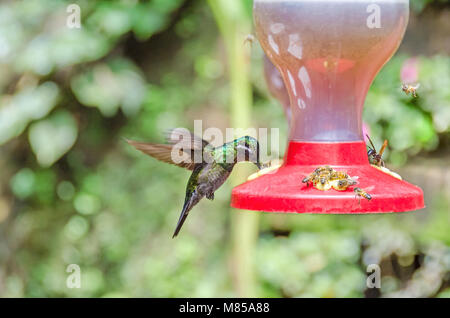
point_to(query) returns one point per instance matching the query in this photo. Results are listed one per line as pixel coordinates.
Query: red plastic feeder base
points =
(283, 191)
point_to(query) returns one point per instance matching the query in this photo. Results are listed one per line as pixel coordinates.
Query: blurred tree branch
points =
(234, 25)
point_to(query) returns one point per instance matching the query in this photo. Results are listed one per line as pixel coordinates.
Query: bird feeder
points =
(328, 53)
(276, 87)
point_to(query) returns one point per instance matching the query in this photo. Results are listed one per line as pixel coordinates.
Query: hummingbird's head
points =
(248, 150)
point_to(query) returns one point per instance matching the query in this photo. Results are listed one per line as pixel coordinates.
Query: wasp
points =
(361, 193)
(409, 89)
(374, 157)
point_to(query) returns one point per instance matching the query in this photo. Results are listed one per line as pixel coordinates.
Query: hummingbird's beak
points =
(259, 165)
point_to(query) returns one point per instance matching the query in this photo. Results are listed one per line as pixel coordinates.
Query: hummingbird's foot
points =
(210, 196)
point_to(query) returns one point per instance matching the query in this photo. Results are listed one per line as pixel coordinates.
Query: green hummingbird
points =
(211, 166)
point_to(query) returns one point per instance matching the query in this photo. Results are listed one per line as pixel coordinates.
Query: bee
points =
(320, 174)
(321, 181)
(407, 88)
(339, 175)
(323, 177)
(325, 168)
(250, 38)
(374, 157)
(343, 184)
(309, 179)
(361, 193)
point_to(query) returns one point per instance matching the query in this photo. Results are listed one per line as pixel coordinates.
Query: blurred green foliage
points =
(411, 125)
(72, 192)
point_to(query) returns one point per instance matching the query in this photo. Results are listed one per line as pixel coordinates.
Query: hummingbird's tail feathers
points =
(183, 217)
(192, 198)
(184, 213)
(165, 153)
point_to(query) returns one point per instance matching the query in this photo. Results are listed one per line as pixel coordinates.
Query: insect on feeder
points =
(328, 53)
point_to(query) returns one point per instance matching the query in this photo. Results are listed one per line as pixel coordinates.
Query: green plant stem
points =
(234, 26)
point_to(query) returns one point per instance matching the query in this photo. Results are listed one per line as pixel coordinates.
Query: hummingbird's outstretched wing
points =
(184, 149)
(197, 147)
(185, 139)
(165, 153)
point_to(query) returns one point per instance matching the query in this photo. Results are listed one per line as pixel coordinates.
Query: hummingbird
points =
(211, 166)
